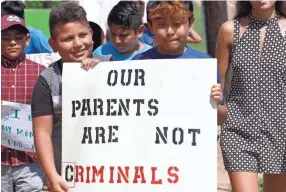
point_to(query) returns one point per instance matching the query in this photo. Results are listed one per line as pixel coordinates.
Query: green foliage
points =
(33, 4)
(199, 28)
(38, 18)
(260, 184)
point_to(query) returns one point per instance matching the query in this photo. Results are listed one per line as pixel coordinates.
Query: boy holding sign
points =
(19, 169)
(170, 22)
(71, 37)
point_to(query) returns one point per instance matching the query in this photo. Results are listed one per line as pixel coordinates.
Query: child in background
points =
(71, 37)
(170, 22)
(125, 28)
(20, 171)
(148, 36)
(38, 40)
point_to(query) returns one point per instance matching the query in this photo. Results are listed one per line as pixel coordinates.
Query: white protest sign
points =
(140, 126)
(44, 58)
(16, 123)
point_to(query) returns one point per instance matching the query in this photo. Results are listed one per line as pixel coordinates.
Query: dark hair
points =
(13, 8)
(125, 14)
(96, 35)
(66, 12)
(243, 8)
(153, 4)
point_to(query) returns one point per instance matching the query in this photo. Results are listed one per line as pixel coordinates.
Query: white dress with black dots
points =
(253, 137)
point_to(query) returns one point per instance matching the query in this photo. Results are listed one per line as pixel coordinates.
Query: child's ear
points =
(192, 22)
(140, 31)
(53, 44)
(27, 39)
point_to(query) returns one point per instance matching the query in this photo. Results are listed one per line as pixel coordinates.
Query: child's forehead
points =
(170, 12)
(12, 31)
(172, 19)
(70, 28)
(78, 23)
(158, 17)
(115, 27)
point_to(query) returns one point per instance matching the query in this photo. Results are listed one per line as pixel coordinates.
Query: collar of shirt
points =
(12, 64)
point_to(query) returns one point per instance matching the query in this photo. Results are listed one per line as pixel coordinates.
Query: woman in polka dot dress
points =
(251, 56)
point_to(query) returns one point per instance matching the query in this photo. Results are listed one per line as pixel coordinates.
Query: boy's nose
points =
(170, 30)
(13, 42)
(77, 42)
(117, 40)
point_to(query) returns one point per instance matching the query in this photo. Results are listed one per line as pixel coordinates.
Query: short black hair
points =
(66, 12)
(153, 4)
(13, 8)
(125, 14)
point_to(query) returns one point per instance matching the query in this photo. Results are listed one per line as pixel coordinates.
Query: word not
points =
(176, 132)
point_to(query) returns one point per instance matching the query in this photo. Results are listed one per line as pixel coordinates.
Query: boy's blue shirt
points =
(108, 48)
(38, 42)
(189, 53)
(146, 39)
(147, 36)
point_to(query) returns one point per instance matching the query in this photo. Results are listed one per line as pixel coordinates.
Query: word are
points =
(100, 135)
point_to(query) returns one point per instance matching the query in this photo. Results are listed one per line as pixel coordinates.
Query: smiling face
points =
(13, 43)
(73, 41)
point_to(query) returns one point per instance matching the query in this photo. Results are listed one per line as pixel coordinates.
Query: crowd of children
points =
(168, 29)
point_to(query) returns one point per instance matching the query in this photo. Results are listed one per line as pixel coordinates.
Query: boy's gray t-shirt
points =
(46, 100)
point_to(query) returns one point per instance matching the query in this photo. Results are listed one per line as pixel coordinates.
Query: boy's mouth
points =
(119, 46)
(13, 50)
(172, 41)
(79, 53)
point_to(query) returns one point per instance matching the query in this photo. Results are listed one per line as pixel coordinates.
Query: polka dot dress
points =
(253, 138)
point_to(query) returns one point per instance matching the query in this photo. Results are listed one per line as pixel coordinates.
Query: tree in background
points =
(215, 15)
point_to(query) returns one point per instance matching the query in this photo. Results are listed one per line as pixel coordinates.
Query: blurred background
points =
(207, 13)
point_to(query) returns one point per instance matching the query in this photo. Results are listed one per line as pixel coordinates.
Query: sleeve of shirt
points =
(44, 46)
(103, 57)
(40, 42)
(42, 104)
(136, 57)
(97, 51)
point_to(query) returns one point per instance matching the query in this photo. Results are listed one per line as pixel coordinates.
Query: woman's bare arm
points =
(224, 46)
